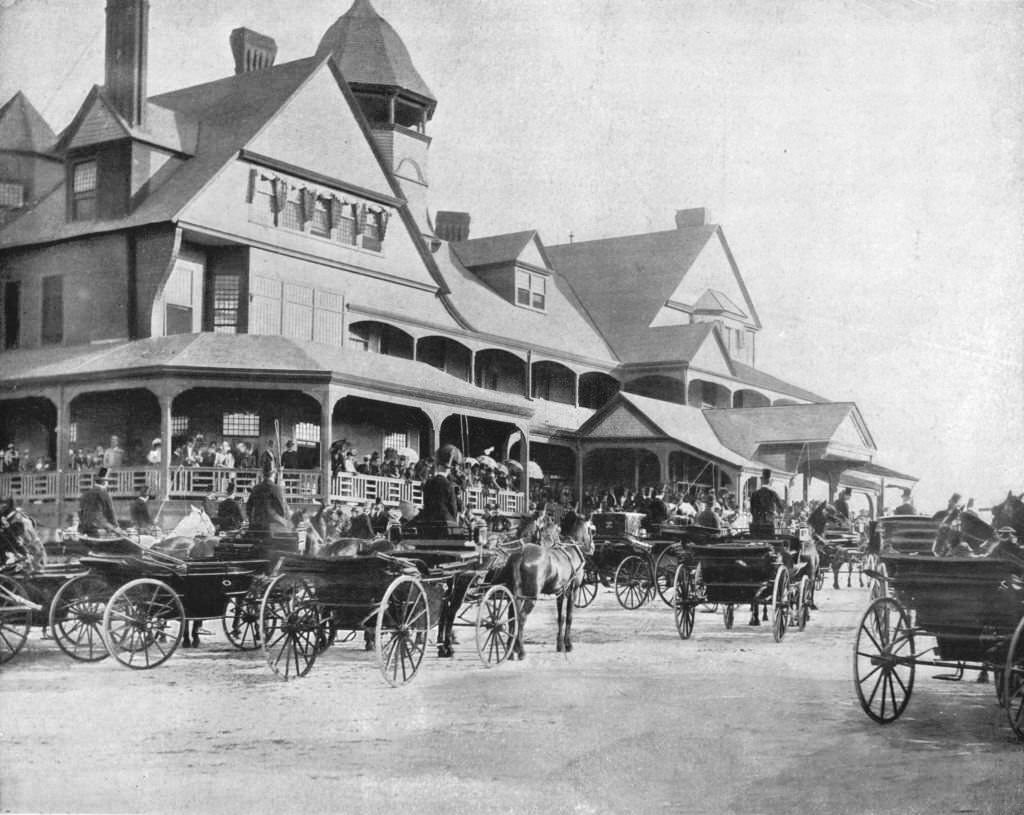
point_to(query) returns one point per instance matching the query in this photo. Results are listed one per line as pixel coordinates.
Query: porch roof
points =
(245, 355)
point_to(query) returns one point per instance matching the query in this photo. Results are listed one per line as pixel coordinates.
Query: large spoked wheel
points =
(241, 620)
(665, 567)
(633, 582)
(15, 614)
(1013, 682)
(76, 617)
(403, 621)
(587, 589)
(728, 615)
(780, 603)
(496, 626)
(292, 629)
(883, 660)
(143, 623)
(803, 603)
(819, 578)
(684, 607)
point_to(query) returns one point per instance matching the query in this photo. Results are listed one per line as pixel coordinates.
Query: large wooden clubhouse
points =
(205, 261)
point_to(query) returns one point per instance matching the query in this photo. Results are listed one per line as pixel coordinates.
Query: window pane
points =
(85, 177)
(523, 297)
(226, 295)
(347, 231)
(11, 194)
(538, 301)
(241, 424)
(84, 208)
(291, 218)
(321, 224)
(306, 434)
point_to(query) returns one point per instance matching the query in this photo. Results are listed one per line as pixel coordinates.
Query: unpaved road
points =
(634, 720)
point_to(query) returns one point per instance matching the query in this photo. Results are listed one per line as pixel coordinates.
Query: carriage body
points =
(905, 534)
(740, 573)
(972, 607)
(622, 558)
(395, 600)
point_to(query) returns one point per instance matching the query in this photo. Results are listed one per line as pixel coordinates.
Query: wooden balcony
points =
(193, 483)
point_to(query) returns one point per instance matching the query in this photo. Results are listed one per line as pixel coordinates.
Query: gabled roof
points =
(564, 327)
(98, 120)
(370, 52)
(746, 429)
(493, 248)
(637, 344)
(716, 302)
(22, 128)
(753, 376)
(682, 423)
(230, 111)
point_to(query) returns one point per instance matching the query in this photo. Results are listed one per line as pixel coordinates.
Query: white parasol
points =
(534, 470)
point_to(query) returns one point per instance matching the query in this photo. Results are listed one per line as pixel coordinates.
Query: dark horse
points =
(18, 537)
(551, 567)
(1010, 513)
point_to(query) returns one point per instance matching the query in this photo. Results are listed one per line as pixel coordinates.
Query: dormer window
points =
(83, 191)
(531, 290)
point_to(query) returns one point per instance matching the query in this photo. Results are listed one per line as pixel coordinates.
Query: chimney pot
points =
(252, 51)
(452, 226)
(696, 216)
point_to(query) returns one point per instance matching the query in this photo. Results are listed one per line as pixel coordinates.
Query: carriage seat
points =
(436, 530)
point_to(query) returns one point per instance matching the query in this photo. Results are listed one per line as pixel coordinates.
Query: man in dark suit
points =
(907, 507)
(765, 505)
(267, 508)
(440, 497)
(96, 509)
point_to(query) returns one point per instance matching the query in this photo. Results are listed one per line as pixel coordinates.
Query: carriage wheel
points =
(709, 608)
(684, 607)
(143, 623)
(291, 626)
(819, 578)
(496, 625)
(587, 589)
(241, 620)
(803, 603)
(403, 621)
(780, 603)
(665, 567)
(76, 617)
(883, 660)
(633, 582)
(14, 618)
(728, 615)
(1013, 681)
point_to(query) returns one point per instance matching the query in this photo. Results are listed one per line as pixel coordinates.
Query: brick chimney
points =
(126, 53)
(452, 226)
(697, 216)
(252, 51)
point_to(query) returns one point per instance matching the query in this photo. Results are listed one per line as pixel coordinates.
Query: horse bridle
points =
(7, 523)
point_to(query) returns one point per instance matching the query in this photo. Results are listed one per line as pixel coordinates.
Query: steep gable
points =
(22, 128)
(622, 421)
(319, 129)
(711, 357)
(711, 274)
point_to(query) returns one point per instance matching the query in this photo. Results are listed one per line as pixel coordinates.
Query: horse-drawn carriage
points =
(971, 608)
(395, 599)
(764, 575)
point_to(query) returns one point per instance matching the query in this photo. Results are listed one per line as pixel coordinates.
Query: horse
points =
(1010, 513)
(19, 538)
(551, 567)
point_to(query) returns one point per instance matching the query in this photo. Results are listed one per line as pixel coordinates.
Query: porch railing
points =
(299, 486)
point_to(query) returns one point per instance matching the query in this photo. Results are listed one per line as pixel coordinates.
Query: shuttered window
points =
(53, 309)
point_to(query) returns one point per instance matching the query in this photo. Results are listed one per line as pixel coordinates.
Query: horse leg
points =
(754, 620)
(836, 566)
(849, 573)
(570, 597)
(523, 608)
(560, 638)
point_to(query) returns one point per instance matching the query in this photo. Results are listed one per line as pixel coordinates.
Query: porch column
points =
(326, 417)
(529, 374)
(524, 459)
(579, 473)
(166, 400)
(663, 473)
(61, 463)
(576, 390)
(881, 499)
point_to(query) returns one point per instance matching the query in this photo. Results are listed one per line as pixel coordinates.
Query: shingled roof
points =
(746, 429)
(370, 52)
(22, 128)
(230, 112)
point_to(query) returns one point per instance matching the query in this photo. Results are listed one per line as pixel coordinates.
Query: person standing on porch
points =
(268, 459)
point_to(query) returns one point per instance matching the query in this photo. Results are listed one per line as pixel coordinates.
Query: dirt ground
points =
(634, 720)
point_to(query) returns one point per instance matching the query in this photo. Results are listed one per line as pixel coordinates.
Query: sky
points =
(865, 159)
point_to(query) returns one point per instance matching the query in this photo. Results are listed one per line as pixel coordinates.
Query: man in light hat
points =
(155, 454)
(96, 509)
